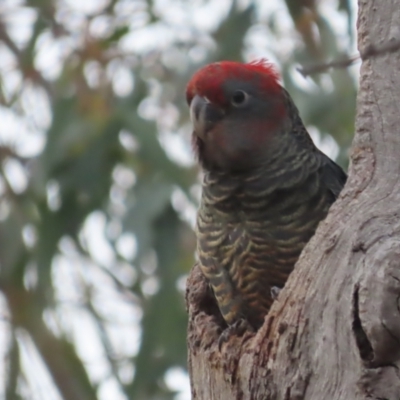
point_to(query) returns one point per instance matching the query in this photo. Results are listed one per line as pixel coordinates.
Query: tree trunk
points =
(334, 332)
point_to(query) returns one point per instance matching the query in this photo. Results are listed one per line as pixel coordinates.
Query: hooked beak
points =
(204, 115)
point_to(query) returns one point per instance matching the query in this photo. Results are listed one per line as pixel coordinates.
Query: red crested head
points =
(237, 110)
(208, 81)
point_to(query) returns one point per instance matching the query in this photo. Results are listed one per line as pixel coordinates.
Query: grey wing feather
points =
(333, 175)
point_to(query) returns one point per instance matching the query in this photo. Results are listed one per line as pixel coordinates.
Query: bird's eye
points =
(239, 98)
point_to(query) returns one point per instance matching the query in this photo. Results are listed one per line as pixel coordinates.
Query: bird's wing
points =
(333, 176)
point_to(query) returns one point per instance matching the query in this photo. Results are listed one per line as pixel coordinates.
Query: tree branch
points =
(370, 51)
(31, 72)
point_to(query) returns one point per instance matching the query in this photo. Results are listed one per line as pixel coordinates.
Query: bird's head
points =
(238, 111)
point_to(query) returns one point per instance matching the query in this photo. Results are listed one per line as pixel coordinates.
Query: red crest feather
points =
(207, 81)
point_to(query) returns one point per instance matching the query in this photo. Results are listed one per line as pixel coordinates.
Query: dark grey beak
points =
(204, 115)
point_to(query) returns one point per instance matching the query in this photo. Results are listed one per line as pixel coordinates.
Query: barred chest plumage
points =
(266, 186)
(251, 230)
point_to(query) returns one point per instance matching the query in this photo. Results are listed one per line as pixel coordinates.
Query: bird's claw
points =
(275, 290)
(238, 328)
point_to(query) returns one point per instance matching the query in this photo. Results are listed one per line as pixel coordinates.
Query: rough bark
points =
(334, 332)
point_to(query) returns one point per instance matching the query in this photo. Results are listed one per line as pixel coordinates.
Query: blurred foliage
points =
(98, 193)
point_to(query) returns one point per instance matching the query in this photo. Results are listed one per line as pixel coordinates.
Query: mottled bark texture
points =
(334, 332)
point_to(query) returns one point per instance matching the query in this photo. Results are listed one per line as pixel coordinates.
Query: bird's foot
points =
(238, 328)
(275, 290)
